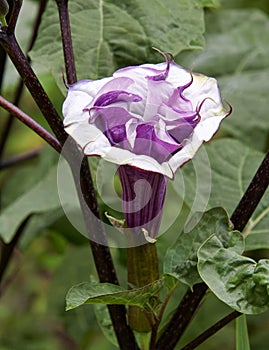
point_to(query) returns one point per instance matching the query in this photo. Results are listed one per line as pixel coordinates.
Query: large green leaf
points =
(232, 166)
(110, 34)
(238, 281)
(41, 198)
(28, 191)
(181, 258)
(236, 51)
(106, 293)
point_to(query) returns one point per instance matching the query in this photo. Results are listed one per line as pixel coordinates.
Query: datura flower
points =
(149, 120)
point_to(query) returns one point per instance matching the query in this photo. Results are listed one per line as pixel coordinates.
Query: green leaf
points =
(232, 166)
(105, 323)
(238, 281)
(170, 282)
(242, 69)
(106, 293)
(181, 259)
(37, 193)
(41, 198)
(110, 34)
(242, 341)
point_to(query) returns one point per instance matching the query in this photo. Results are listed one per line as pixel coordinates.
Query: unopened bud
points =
(4, 9)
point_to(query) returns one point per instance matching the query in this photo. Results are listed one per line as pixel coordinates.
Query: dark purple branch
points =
(8, 248)
(84, 182)
(3, 57)
(16, 112)
(252, 196)
(211, 331)
(10, 162)
(86, 193)
(16, 8)
(10, 120)
(181, 317)
(67, 41)
(101, 254)
(28, 76)
(19, 89)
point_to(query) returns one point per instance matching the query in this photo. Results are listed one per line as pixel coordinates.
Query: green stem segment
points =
(142, 262)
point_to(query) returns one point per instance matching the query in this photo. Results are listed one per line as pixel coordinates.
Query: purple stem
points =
(212, 330)
(28, 76)
(102, 257)
(67, 41)
(252, 196)
(19, 89)
(14, 16)
(25, 119)
(181, 318)
(19, 158)
(8, 248)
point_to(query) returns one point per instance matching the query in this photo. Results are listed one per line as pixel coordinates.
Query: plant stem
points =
(18, 159)
(28, 76)
(252, 196)
(144, 341)
(67, 41)
(101, 254)
(155, 327)
(142, 265)
(8, 248)
(19, 89)
(181, 317)
(211, 331)
(3, 57)
(15, 111)
(14, 16)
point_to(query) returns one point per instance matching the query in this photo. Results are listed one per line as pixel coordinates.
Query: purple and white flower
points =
(148, 119)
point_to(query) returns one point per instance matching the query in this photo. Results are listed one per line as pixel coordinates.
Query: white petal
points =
(90, 87)
(83, 132)
(73, 107)
(209, 125)
(203, 88)
(178, 76)
(186, 153)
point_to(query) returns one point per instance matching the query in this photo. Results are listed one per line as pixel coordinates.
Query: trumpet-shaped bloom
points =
(147, 118)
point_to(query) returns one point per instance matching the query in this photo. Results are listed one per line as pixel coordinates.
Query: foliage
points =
(121, 33)
(226, 40)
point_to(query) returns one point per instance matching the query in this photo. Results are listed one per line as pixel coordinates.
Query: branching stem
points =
(67, 41)
(19, 89)
(7, 163)
(25, 119)
(86, 193)
(212, 330)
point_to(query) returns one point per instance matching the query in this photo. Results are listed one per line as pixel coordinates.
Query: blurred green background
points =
(55, 256)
